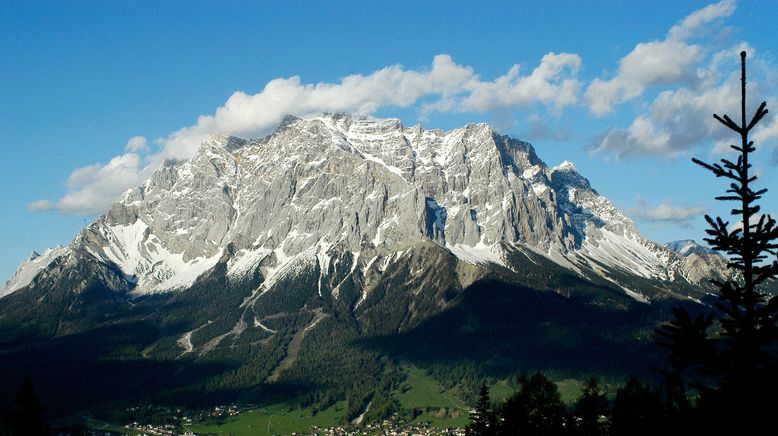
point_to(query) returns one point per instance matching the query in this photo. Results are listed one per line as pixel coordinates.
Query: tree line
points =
(537, 409)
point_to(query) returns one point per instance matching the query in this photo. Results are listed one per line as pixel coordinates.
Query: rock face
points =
(30, 268)
(318, 188)
(686, 247)
(330, 249)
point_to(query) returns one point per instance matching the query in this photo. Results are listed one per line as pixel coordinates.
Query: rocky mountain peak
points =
(322, 186)
(686, 247)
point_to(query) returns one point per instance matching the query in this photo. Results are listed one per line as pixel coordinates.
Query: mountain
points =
(306, 259)
(685, 247)
(30, 268)
(318, 188)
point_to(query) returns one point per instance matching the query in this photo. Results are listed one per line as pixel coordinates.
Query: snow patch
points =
(30, 268)
(379, 161)
(245, 260)
(565, 166)
(143, 259)
(479, 254)
(624, 253)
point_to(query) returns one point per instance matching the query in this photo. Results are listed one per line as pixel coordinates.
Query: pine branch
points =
(727, 121)
(717, 169)
(760, 113)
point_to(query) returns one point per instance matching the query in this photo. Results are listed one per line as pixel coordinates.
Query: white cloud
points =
(553, 83)
(680, 119)
(92, 188)
(40, 205)
(670, 61)
(253, 114)
(649, 64)
(445, 86)
(767, 131)
(701, 17)
(137, 144)
(694, 82)
(677, 121)
(753, 221)
(666, 212)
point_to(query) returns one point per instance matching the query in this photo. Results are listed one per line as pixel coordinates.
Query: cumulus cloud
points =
(701, 17)
(767, 132)
(680, 119)
(445, 86)
(92, 188)
(676, 121)
(694, 82)
(666, 212)
(666, 62)
(253, 114)
(137, 144)
(554, 83)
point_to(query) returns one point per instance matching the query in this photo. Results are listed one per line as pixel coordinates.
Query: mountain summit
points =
(685, 247)
(311, 262)
(320, 187)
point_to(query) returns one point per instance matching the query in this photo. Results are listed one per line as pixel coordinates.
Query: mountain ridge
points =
(685, 247)
(471, 190)
(304, 266)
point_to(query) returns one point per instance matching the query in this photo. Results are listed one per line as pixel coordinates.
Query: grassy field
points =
(275, 420)
(439, 407)
(570, 389)
(500, 391)
(419, 391)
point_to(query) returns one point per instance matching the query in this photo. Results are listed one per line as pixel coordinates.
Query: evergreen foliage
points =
(536, 409)
(637, 410)
(589, 411)
(28, 417)
(729, 356)
(483, 420)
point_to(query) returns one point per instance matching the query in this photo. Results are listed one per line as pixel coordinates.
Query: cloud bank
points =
(445, 86)
(691, 81)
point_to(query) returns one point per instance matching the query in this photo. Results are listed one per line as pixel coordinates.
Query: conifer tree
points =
(734, 367)
(591, 405)
(483, 420)
(28, 417)
(536, 409)
(637, 411)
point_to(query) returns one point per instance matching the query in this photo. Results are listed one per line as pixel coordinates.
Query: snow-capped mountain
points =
(30, 268)
(320, 187)
(323, 254)
(685, 247)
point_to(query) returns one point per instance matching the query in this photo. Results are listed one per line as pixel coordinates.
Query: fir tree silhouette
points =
(734, 367)
(28, 417)
(483, 421)
(637, 411)
(591, 405)
(536, 410)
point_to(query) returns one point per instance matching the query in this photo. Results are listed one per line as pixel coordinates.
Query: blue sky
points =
(94, 94)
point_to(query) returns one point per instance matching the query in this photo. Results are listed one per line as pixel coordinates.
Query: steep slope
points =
(31, 268)
(309, 260)
(329, 185)
(685, 247)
